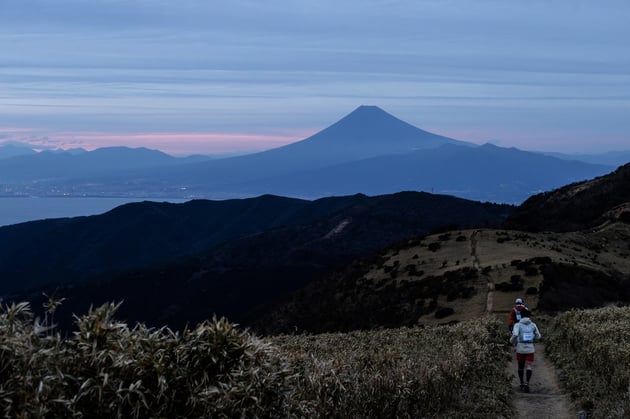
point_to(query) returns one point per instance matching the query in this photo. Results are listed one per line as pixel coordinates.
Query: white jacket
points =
(525, 332)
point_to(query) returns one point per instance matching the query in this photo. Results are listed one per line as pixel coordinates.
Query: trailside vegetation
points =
(592, 348)
(444, 371)
(106, 369)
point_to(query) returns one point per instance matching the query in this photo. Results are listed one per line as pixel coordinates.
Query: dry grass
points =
(602, 248)
(592, 347)
(214, 370)
(450, 371)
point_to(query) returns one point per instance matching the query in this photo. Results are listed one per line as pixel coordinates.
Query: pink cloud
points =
(172, 143)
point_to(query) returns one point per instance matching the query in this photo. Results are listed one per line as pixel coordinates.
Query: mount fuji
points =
(368, 151)
(372, 152)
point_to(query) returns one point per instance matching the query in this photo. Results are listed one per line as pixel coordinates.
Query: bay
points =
(18, 210)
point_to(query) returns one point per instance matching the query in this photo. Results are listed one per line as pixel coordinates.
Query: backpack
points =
(526, 333)
(518, 312)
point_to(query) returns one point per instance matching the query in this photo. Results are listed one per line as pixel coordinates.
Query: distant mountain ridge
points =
(484, 173)
(13, 149)
(368, 151)
(610, 158)
(66, 165)
(366, 132)
(577, 206)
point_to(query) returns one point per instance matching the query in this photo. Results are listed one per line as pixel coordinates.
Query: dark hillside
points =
(242, 278)
(568, 286)
(141, 234)
(577, 206)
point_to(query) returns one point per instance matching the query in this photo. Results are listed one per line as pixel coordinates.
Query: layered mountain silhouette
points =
(610, 158)
(368, 151)
(59, 167)
(12, 149)
(577, 206)
(560, 250)
(484, 173)
(366, 132)
(179, 263)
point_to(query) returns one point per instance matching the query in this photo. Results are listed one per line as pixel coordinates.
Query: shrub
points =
(543, 260)
(452, 295)
(432, 305)
(214, 370)
(446, 371)
(108, 370)
(531, 271)
(471, 273)
(412, 270)
(509, 286)
(444, 312)
(469, 292)
(531, 291)
(593, 348)
(435, 246)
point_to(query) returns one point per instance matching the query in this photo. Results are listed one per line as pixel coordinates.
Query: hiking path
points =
(545, 398)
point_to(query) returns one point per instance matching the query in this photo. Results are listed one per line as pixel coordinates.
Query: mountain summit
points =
(368, 131)
(368, 125)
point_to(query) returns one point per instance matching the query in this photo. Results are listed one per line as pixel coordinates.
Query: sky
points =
(217, 77)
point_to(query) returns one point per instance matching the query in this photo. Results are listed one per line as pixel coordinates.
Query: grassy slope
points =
(410, 283)
(602, 249)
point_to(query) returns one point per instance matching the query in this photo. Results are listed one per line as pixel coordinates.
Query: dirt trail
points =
(473, 249)
(545, 399)
(477, 265)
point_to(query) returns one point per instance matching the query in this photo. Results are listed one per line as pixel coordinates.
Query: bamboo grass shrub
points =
(448, 371)
(20, 348)
(592, 348)
(108, 370)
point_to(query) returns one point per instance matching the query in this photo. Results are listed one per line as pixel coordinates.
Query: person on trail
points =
(515, 314)
(524, 333)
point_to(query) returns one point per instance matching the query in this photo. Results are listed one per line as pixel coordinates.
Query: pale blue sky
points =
(220, 76)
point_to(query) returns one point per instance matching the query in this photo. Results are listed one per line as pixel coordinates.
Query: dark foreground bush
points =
(106, 370)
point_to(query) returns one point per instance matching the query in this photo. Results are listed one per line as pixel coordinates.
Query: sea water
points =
(18, 210)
